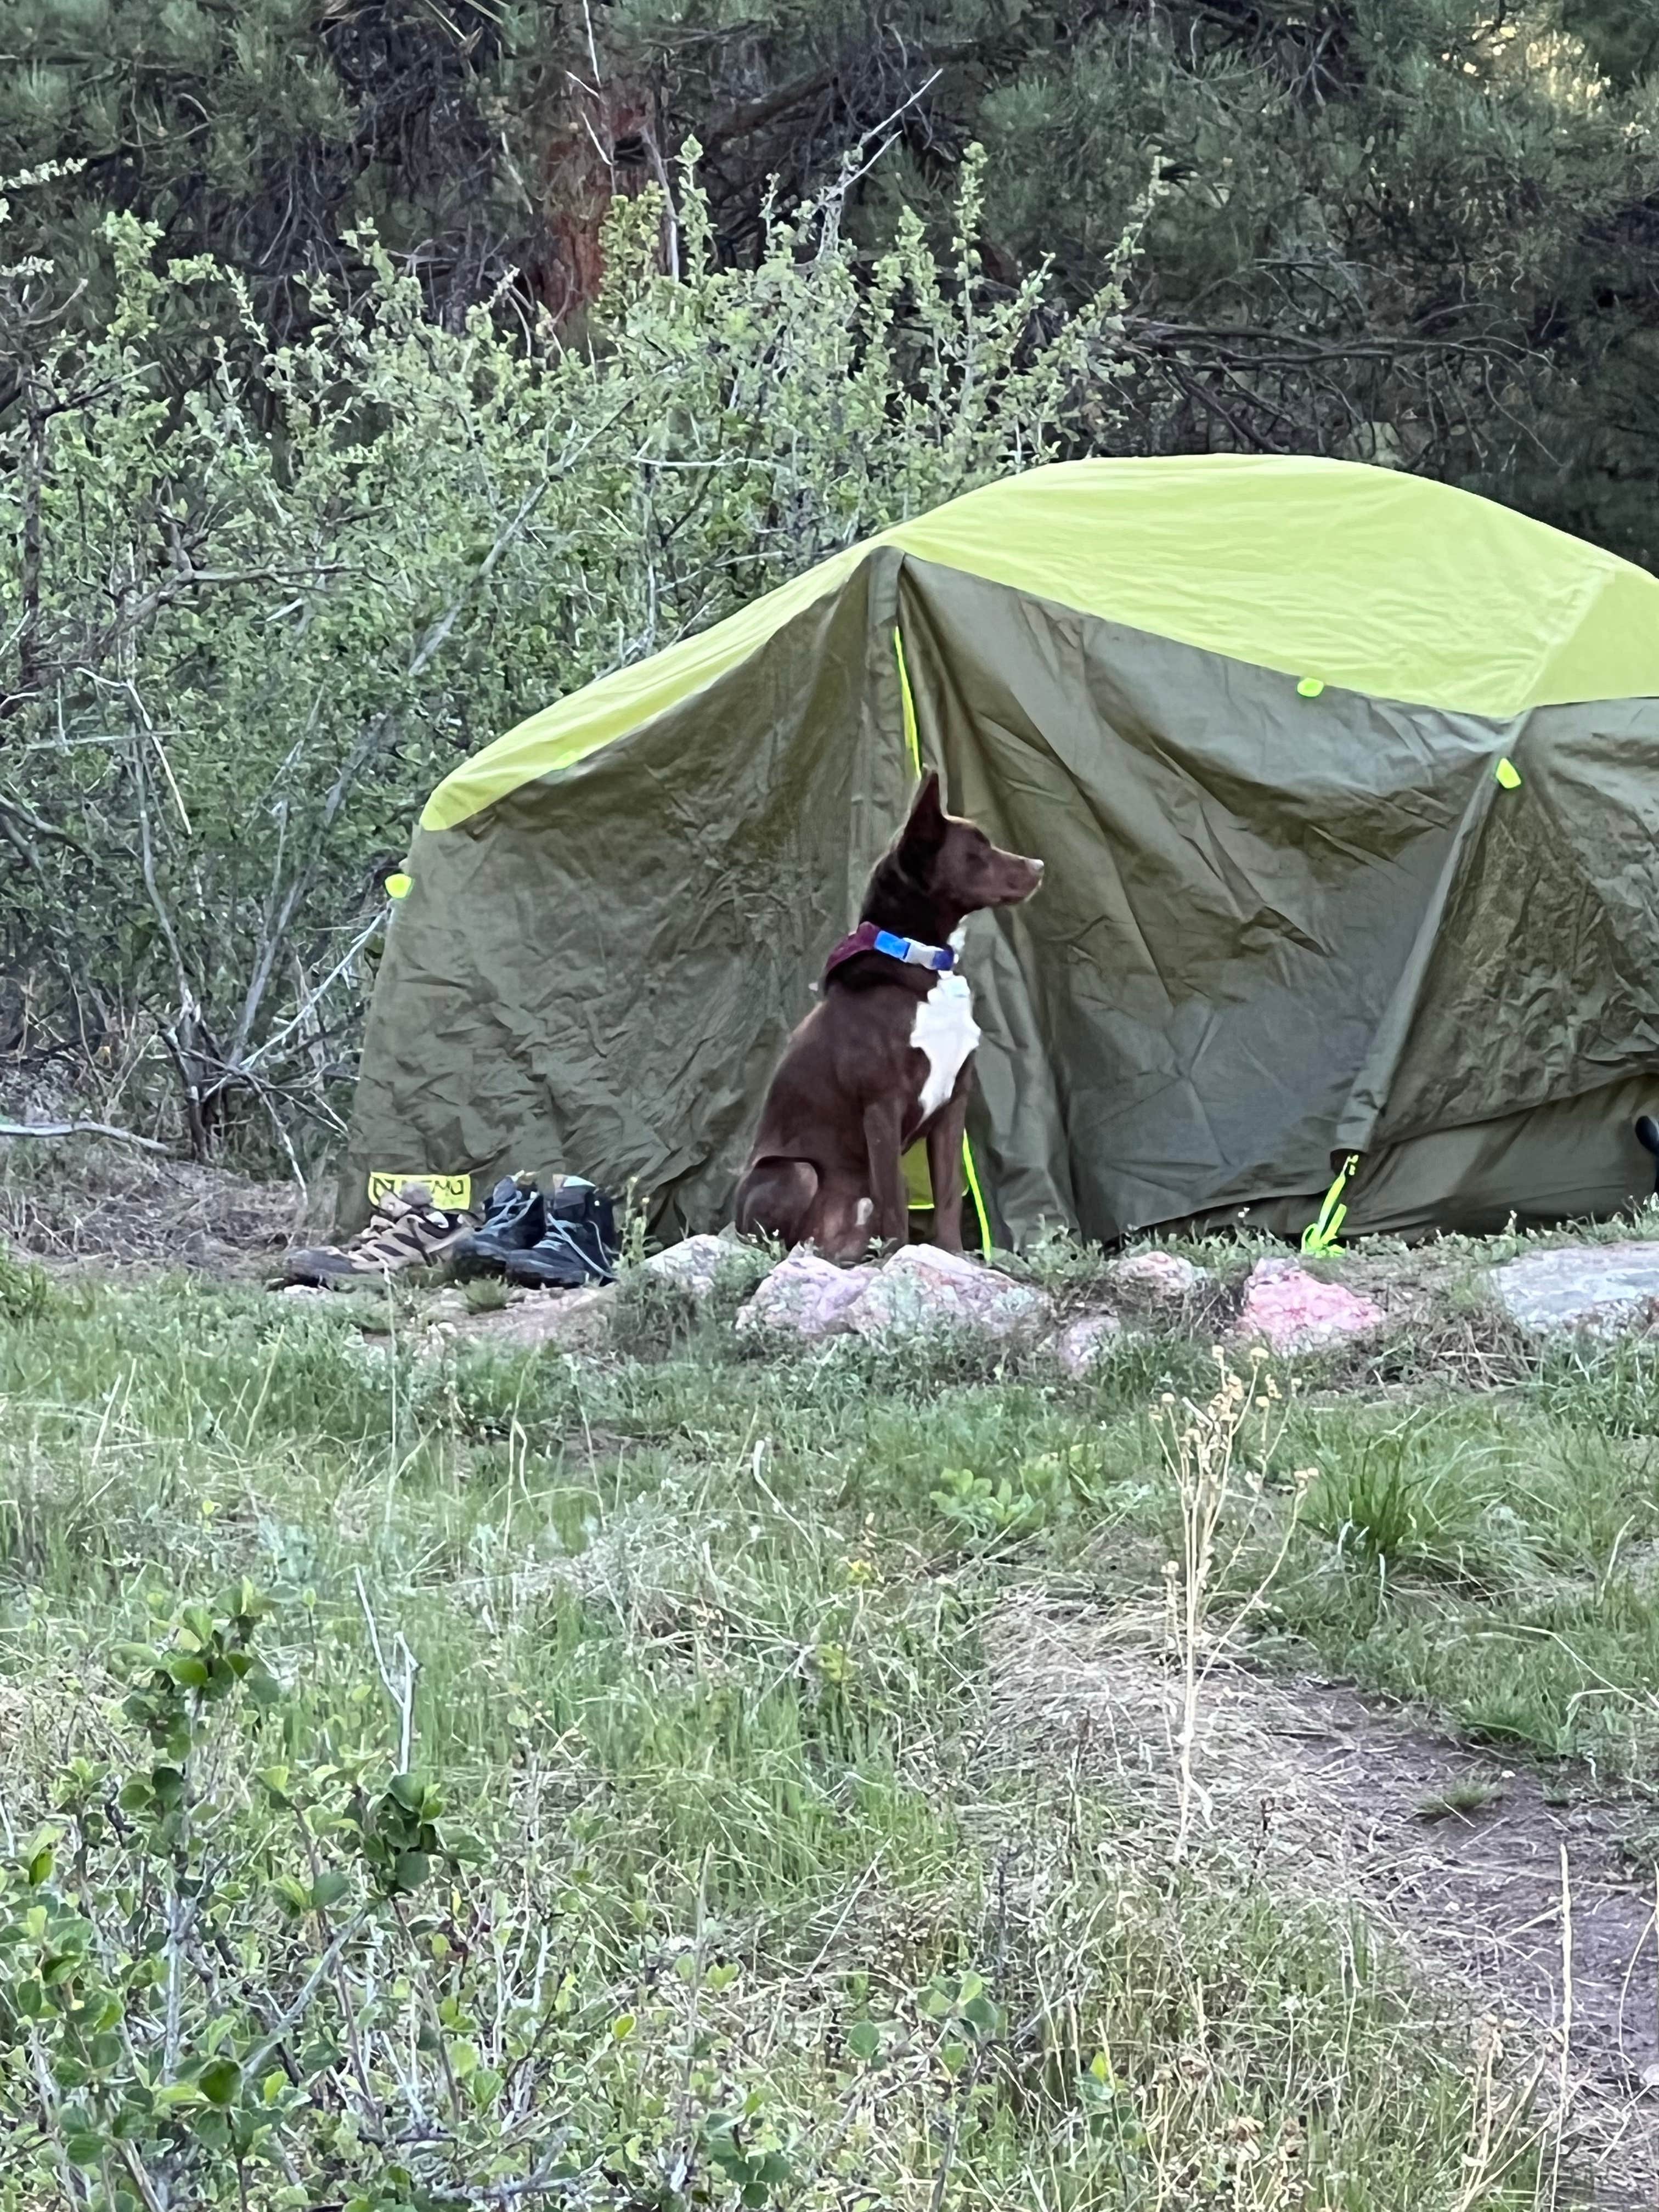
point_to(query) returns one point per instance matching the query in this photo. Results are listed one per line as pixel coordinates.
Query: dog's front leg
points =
(882, 1128)
(945, 1165)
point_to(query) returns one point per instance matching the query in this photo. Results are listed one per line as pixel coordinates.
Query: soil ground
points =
(1465, 1857)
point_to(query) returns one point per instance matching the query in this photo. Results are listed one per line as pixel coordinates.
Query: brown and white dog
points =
(886, 1058)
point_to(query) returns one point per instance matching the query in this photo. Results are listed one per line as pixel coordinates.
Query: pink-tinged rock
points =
(691, 1265)
(806, 1294)
(1081, 1342)
(1290, 1310)
(1163, 1277)
(922, 1288)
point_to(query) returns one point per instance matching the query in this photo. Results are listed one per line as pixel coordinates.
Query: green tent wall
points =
(1347, 784)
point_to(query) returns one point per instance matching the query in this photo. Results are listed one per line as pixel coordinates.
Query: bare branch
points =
(83, 1129)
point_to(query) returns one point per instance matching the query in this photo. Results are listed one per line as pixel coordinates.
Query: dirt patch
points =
(1459, 1855)
(96, 1207)
(529, 1321)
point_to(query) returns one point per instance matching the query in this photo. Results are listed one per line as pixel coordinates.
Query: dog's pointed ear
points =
(924, 830)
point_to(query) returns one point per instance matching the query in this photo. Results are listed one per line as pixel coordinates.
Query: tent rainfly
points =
(1347, 784)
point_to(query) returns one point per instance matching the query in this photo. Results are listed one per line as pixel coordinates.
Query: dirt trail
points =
(1324, 1793)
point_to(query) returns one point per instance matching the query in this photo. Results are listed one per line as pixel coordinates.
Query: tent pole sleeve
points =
(977, 1196)
(913, 746)
(912, 738)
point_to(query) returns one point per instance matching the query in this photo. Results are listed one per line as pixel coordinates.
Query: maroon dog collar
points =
(866, 937)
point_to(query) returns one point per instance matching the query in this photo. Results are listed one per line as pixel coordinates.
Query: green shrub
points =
(179, 1948)
(258, 620)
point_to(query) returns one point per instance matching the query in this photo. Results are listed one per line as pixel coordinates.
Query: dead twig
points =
(84, 1129)
(401, 1692)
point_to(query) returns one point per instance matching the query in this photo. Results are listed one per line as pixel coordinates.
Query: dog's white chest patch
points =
(946, 1031)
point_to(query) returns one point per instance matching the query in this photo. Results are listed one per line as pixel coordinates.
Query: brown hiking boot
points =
(406, 1230)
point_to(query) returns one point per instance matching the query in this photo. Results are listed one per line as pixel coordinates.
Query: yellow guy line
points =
(913, 746)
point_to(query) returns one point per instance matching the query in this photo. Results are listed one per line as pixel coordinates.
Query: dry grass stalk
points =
(1206, 1448)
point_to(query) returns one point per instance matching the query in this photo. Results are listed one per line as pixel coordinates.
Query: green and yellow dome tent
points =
(1348, 788)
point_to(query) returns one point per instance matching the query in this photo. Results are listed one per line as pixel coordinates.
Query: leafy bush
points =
(259, 617)
(182, 1955)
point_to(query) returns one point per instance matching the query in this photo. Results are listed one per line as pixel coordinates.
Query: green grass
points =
(1462, 1800)
(1487, 1559)
(698, 1640)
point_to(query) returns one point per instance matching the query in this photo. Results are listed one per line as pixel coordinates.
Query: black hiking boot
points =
(513, 1221)
(579, 1245)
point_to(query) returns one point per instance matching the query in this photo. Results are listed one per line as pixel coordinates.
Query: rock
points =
(805, 1293)
(921, 1288)
(567, 1319)
(1604, 1289)
(1080, 1343)
(1164, 1278)
(691, 1265)
(1291, 1310)
(918, 1288)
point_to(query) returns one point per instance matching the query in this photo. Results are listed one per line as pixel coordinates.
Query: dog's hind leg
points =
(775, 1198)
(843, 1223)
